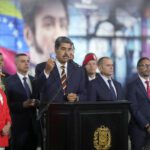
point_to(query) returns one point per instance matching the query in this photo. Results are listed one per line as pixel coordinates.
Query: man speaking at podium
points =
(61, 80)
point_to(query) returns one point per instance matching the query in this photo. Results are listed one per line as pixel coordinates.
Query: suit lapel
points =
(19, 84)
(117, 90)
(141, 86)
(56, 77)
(102, 82)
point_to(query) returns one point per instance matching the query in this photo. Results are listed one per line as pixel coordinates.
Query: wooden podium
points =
(87, 126)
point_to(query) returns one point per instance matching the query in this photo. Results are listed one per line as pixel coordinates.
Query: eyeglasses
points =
(144, 65)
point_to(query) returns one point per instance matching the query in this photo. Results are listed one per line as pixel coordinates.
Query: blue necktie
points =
(112, 90)
(26, 86)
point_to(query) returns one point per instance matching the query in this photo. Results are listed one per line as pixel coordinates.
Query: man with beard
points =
(90, 66)
(61, 80)
(138, 93)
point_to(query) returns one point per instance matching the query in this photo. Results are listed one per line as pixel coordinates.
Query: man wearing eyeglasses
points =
(138, 93)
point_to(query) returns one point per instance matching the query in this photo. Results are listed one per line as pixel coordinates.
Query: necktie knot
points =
(26, 86)
(62, 67)
(147, 82)
(24, 78)
(109, 81)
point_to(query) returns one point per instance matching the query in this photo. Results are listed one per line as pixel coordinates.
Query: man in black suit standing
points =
(61, 79)
(138, 93)
(90, 66)
(104, 87)
(22, 106)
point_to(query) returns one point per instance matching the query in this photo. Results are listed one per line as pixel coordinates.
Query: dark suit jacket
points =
(40, 67)
(140, 103)
(87, 81)
(23, 119)
(51, 89)
(140, 113)
(98, 90)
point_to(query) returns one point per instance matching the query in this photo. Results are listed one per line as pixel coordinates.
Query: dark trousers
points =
(140, 139)
(26, 140)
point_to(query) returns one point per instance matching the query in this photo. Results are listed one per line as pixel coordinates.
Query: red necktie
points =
(148, 88)
(63, 79)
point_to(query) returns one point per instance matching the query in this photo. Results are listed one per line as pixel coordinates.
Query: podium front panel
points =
(104, 128)
(88, 126)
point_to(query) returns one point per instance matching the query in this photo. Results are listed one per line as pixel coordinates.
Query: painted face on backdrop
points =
(50, 22)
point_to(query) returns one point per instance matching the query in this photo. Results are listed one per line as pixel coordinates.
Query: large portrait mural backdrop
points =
(119, 29)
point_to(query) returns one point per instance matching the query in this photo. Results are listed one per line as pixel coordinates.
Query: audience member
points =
(22, 106)
(90, 66)
(138, 94)
(104, 87)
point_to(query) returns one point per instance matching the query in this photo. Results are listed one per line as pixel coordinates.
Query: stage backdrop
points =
(116, 28)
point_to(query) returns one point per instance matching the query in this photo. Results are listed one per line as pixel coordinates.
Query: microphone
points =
(52, 56)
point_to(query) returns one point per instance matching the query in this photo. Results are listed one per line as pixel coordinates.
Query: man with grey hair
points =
(104, 87)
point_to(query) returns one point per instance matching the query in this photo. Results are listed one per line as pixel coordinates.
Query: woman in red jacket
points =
(5, 121)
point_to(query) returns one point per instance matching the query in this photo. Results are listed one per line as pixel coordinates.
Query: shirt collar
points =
(59, 64)
(22, 76)
(143, 80)
(92, 78)
(105, 78)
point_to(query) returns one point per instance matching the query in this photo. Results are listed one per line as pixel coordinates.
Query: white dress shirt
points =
(27, 79)
(106, 81)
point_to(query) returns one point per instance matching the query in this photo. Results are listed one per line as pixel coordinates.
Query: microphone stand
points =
(42, 117)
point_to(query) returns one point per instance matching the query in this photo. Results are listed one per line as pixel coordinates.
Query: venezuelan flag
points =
(11, 33)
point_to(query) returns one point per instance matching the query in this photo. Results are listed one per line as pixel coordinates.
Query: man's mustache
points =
(65, 56)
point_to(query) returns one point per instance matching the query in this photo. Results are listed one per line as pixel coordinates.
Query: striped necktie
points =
(63, 79)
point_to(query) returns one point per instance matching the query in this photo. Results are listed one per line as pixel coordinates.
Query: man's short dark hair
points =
(62, 39)
(30, 8)
(100, 61)
(20, 54)
(140, 61)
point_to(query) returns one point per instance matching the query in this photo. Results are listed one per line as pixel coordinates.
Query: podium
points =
(87, 126)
